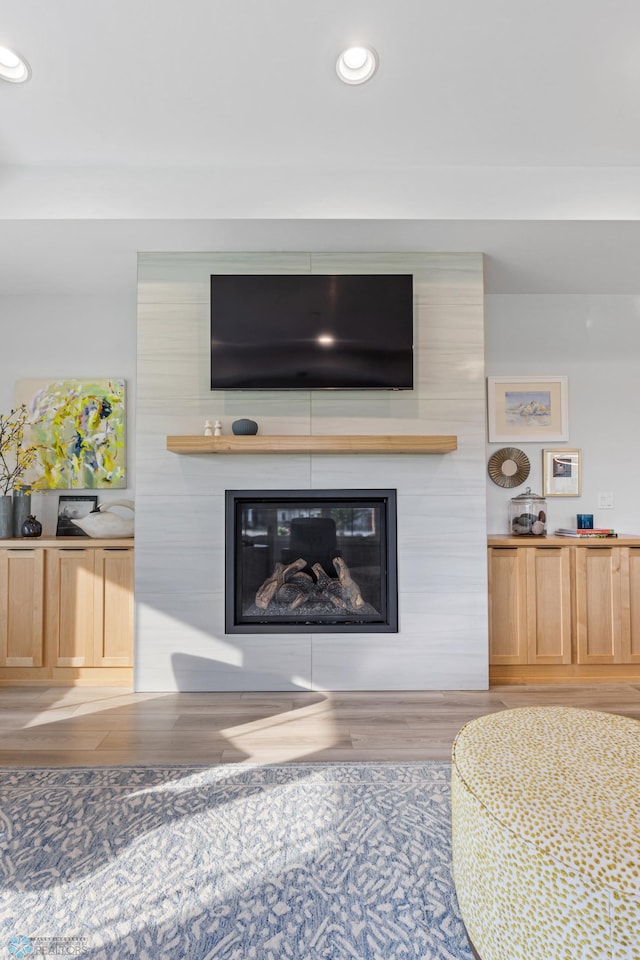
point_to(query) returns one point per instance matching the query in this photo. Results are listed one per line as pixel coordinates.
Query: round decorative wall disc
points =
(509, 467)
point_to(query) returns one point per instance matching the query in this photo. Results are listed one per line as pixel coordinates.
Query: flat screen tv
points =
(312, 332)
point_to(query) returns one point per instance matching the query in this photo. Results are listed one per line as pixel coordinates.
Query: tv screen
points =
(311, 332)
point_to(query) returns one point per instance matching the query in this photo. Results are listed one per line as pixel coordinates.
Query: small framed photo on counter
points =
(73, 507)
(561, 473)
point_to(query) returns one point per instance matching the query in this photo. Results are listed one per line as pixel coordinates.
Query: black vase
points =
(31, 527)
(244, 428)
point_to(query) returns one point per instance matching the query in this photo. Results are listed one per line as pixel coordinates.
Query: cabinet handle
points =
(72, 549)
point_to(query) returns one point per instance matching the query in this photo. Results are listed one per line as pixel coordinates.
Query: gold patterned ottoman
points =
(546, 834)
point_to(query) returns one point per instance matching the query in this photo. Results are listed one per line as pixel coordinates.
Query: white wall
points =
(442, 639)
(67, 336)
(595, 342)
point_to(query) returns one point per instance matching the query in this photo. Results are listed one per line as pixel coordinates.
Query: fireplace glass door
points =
(311, 560)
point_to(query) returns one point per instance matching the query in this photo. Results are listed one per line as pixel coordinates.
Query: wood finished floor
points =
(81, 726)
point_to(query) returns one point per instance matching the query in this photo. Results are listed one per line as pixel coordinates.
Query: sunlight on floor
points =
(286, 735)
(76, 701)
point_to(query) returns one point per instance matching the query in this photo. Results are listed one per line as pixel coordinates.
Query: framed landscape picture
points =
(527, 409)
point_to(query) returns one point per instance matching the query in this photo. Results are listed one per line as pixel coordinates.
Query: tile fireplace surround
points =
(441, 641)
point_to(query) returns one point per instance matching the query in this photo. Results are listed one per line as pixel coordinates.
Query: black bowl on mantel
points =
(244, 428)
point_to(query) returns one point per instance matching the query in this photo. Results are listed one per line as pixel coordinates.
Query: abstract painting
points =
(78, 427)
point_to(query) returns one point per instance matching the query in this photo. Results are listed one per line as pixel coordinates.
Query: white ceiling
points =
(214, 82)
(226, 117)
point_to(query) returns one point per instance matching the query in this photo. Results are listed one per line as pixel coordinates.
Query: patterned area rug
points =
(311, 861)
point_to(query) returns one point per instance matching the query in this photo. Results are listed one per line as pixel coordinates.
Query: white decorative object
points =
(217, 429)
(208, 430)
(102, 523)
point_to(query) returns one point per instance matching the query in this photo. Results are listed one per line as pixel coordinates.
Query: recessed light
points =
(13, 67)
(357, 64)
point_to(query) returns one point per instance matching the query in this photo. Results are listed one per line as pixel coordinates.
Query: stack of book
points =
(585, 534)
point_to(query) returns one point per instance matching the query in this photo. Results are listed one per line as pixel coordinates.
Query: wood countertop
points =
(506, 540)
(28, 543)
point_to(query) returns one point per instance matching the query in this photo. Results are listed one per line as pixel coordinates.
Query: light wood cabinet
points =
(599, 606)
(530, 605)
(548, 605)
(69, 606)
(21, 607)
(507, 606)
(66, 612)
(561, 610)
(630, 601)
(113, 607)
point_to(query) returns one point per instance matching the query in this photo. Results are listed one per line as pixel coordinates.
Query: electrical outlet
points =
(605, 501)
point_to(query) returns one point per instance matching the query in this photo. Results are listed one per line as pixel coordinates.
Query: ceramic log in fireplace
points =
(311, 561)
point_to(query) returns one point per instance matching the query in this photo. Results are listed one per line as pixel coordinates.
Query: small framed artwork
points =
(561, 473)
(527, 409)
(70, 508)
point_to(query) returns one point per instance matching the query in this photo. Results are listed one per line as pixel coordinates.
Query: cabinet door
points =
(113, 610)
(598, 605)
(630, 574)
(507, 606)
(21, 607)
(70, 594)
(548, 604)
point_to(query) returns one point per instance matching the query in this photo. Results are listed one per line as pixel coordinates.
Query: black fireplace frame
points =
(234, 499)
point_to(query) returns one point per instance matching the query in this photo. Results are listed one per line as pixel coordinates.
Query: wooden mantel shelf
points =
(313, 444)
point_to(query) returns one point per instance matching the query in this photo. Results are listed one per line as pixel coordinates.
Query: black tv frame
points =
(352, 307)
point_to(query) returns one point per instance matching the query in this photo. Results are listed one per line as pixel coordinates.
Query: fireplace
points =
(311, 561)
